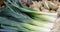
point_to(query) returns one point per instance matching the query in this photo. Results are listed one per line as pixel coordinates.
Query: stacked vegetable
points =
(46, 6)
(21, 18)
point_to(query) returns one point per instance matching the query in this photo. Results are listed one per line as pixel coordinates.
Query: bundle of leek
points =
(21, 18)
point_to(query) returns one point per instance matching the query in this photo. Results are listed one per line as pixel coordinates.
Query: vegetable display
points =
(20, 18)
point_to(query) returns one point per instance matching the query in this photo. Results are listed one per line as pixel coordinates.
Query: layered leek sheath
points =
(19, 17)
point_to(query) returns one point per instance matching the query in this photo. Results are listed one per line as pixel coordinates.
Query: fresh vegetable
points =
(20, 18)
